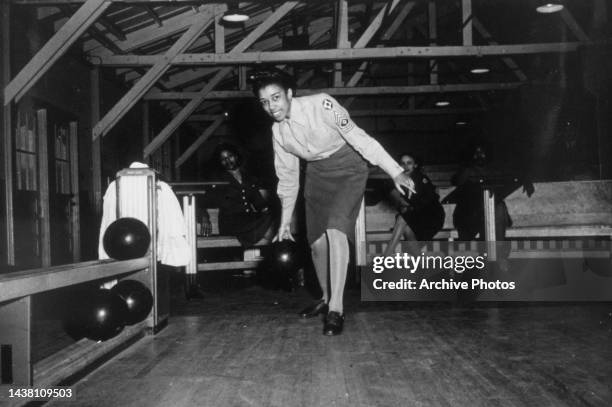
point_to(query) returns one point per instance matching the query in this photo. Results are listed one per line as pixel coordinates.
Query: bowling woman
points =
(319, 130)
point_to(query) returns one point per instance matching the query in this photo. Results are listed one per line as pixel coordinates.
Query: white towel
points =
(172, 246)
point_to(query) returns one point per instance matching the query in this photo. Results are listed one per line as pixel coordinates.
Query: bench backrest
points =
(563, 203)
(552, 204)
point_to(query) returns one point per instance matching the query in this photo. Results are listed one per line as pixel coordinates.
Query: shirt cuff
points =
(394, 170)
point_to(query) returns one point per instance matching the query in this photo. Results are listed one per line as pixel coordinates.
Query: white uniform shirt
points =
(316, 128)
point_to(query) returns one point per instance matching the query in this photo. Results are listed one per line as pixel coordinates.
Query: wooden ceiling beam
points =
(153, 75)
(55, 47)
(387, 34)
(257, 57)
(509, 62)
(123, 2)
(573, 25)
(153, 15)
(344, 91)
(199, 97)
(380, 112)
(199, 141)
(171, 27)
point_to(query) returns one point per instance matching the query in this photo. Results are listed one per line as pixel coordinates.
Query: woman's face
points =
(479, 156)
(276, 101)
(407, 164)
(228, 160)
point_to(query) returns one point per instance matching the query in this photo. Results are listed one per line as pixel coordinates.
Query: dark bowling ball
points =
(101, 315)
(126, 238)
(137, 298)
(279, 270)
(286, 255)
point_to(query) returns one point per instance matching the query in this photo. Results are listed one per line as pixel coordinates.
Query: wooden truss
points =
(190, 27)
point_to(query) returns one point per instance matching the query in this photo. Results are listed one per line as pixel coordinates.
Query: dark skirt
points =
(333, 191)
(427, 222)
(249, 228)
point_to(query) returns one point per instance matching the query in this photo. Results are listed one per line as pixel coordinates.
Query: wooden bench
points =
(218, 241)
(556, 210)
(214, 241)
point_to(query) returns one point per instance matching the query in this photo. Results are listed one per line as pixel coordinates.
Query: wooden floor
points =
(246, 347)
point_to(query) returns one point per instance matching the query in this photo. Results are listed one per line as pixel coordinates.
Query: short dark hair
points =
(416, 158)
(224, 146)
(262, 77)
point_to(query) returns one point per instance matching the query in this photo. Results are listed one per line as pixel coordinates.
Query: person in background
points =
(245, 206)
(319, 130)
(468, 217)
(419, 217)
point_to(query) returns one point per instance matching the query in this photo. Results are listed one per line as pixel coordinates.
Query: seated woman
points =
(245, 207)
(421, 216)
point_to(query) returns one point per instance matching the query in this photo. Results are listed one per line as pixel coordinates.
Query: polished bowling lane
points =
(248, 348)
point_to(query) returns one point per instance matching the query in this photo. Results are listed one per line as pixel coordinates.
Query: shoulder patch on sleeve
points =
(327, 104)
(344, 122)
(425, 180)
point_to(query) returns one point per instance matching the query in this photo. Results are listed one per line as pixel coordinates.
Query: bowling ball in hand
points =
(285, 255)
(126, 238)
(100, 315)
(137, 298)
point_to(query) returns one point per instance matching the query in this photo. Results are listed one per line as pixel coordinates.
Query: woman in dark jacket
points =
(421, 215)
(244, 206)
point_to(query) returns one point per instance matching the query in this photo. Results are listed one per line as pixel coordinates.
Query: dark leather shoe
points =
(333, 324)
(314, 309)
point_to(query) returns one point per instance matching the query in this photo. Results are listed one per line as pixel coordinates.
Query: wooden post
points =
(242, 78)
(489, 208)
(75, 204)
(433, 30)
(7, 144)
(15, 342)
(361, 243)
(466, 24)
(177, 151)
(219, 29)
(342, 38)
(189, 210)
(96, 146)
(146, 128)
(43, 188)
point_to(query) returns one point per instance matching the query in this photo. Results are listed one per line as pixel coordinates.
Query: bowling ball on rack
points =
(137, 298)
(126, 238)
(99, 315)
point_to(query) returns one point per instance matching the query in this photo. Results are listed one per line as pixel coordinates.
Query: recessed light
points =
(549, 8)
(442, 103)
(479, 70)
(235, 17)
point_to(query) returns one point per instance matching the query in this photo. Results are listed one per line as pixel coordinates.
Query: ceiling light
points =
(442, 103)
(549, 8)
(233, 14)
(461, 123)
(479, 70)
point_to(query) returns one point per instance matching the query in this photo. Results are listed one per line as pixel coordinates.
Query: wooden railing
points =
(16, 291)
